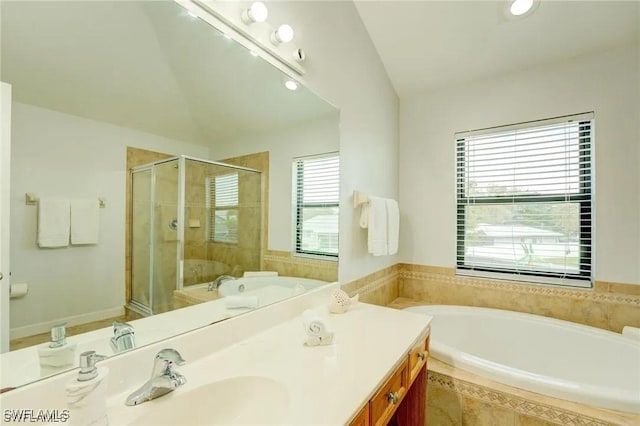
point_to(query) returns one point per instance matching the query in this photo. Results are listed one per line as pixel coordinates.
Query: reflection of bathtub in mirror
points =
(22, 365)
(198, 270)
(267, 290)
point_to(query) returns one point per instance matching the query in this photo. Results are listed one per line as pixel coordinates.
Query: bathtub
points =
(556, 358)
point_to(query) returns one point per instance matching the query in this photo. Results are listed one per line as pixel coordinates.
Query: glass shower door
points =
(141, 238)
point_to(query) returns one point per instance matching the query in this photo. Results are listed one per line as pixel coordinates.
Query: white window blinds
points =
(223, 194)
(524, 201)
(316, 201)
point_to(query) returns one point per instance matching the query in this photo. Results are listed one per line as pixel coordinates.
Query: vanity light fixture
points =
(284, 34)
(291, 85)
(257, 12)
(520, 7)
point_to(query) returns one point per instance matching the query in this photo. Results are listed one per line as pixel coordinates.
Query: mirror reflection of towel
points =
(85, 221)
(53, 222)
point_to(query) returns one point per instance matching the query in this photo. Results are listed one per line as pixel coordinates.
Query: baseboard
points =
(45, 327)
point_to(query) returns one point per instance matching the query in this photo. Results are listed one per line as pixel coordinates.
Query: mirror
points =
(100, 90)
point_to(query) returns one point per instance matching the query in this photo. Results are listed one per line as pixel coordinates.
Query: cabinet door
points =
(390, 395)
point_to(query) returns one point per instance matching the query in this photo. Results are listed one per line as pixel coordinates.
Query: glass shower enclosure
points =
(192, 220)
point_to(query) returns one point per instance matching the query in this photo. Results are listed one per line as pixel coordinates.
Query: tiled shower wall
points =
(610, 306)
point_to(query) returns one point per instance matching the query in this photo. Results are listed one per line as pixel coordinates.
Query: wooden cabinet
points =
(401, 399)
(363, 418)
(389, 396)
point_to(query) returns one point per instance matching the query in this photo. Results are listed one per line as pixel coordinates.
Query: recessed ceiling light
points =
(520, 7)
(291, 85)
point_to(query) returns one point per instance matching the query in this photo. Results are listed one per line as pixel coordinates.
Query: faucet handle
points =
(164, 361)
(170, 355)
(88, 368)
(121, 328)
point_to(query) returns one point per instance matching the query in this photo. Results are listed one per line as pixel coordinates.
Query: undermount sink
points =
(235, 401)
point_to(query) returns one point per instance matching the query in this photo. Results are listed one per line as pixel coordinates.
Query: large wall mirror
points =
(197, 185)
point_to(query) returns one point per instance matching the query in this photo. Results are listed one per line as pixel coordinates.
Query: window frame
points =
(213, 208)
(585, 198)
(299, 205)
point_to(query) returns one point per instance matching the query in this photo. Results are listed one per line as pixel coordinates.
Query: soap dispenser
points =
(87, 393)
(57, 354)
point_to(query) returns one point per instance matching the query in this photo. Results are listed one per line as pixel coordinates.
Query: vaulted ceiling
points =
(426, 45)
(145, 65)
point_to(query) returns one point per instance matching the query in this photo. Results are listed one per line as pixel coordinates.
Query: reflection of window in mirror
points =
(316, 182)
(222, 208)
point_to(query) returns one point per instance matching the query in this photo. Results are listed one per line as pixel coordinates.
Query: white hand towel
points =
(238, 302)
(85, 221)
(393, 226)
(377, 235)
(255, 274)
(54, 221)
(314, 325)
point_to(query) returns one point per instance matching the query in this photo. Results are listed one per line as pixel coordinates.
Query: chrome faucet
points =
(216, 283)
(164, 378)
(123, 338)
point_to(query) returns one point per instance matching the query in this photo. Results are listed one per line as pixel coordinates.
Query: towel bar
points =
(30, 199)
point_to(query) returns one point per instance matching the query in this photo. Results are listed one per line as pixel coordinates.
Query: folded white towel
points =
(314, 325)
(54, 220)
(85, 221)
(238, 302)
(254, 274)
(393, 226)
(377, 235)
(319, 340)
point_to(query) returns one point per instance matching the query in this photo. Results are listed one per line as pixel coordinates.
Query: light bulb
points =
(520, 7)
(283, 34)
(257, 12)
(291, 85)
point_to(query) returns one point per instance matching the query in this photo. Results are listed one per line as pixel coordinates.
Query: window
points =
(316, 205)
(222, 204)
(525, 201)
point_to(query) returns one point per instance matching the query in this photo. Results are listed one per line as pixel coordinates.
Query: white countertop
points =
(326, 385)
(323, 385)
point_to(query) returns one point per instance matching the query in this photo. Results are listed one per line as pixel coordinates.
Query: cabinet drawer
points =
(418, 357)
(362, 419)
(385, 402)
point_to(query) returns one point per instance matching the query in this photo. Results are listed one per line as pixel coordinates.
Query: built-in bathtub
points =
(551, 357)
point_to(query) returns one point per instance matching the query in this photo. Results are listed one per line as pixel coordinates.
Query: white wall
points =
(607, 83)
(343, 67)
(56, 154)
(319, 136)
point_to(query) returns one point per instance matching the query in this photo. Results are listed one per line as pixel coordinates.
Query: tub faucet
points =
(123, 337)
(164, 378)
(216, 283)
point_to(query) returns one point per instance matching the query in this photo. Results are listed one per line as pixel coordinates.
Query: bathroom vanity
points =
(255, 369)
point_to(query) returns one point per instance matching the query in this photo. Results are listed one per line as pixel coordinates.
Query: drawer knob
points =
(393, 397)
(422, 355)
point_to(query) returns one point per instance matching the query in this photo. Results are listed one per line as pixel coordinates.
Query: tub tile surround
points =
(609, 306)
(457, 397)
(284, 263)
(266, 343)
(378, 288)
